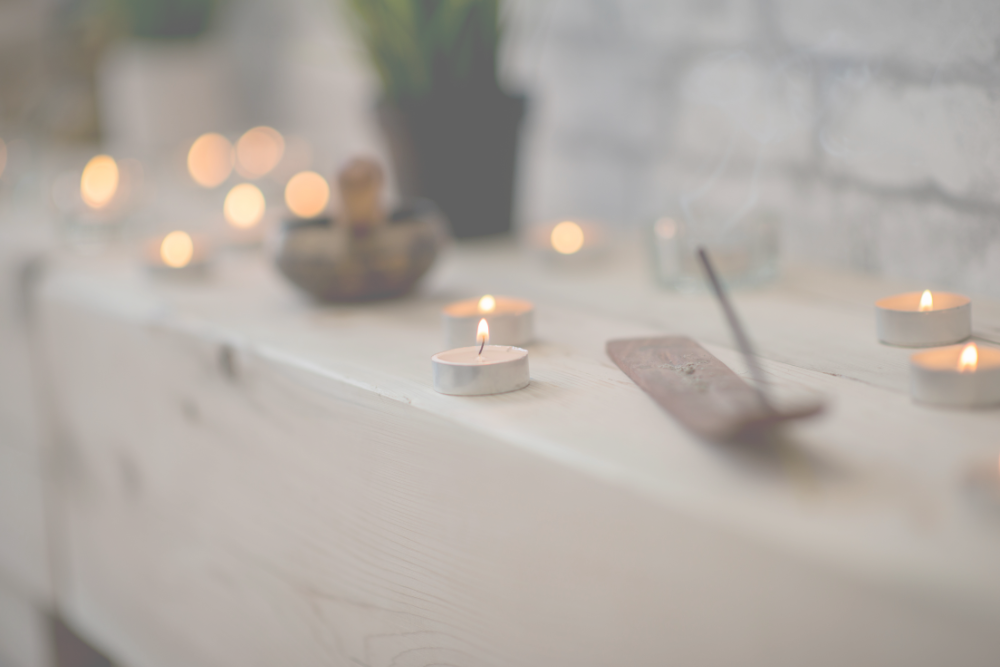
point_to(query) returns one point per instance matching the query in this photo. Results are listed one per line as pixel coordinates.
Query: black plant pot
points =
(458, 147)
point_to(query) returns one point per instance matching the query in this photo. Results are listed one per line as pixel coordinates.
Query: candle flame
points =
(926, 301)
(210, 160)
(99, 181)
(487, 304)
(969, 359)
(567, 237)
(307, 194)
(259, 151)
(665, 228)
(244, 206)
(177, 249)
(483, 333)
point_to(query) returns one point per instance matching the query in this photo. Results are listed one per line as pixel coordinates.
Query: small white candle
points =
(923, 319)
(957, 376)
(480, 369)
(510, 321)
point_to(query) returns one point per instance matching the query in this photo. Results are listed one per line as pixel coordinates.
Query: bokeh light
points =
(244, 206)
(259, 151)
(210, 160)
(307, 194)
(99, 181)
(665, 228)
(487, 304)
(567, 237)
(177, 249)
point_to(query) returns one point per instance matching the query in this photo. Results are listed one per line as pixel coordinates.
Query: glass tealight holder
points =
(744, 254)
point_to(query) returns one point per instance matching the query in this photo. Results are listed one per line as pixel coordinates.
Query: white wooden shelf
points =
(251, 479)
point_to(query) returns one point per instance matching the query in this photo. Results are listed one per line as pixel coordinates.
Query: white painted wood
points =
(24, 563)
(23, 556)
(251, 480)
(25, 633)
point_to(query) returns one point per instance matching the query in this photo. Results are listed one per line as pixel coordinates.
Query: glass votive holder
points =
(744, 254)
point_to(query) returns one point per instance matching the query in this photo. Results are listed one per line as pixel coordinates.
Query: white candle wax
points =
(511, 321)
(940, 377)
(466, 372)
(923, 319)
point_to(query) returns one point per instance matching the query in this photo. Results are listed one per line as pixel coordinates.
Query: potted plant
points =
(452, 131)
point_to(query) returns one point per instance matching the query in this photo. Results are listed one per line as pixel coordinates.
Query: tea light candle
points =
(244, 210)
(510, 321)
(177, 253)
(965, 376)
(924, 319)
(480, 369)
(568, 240)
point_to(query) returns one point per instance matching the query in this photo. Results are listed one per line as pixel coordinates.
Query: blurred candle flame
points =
(969, 359)
(99, 181)
(177, 249)
(926, 301)
(244, 206)
(567, 237)
(210, 160)
(307, 194)
(665, 228)
(259, 151)
(483, 333)
(487, 304)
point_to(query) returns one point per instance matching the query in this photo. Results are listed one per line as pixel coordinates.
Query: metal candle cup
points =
(466, 372)
(511, 321)
(936, 378)
(899, 319)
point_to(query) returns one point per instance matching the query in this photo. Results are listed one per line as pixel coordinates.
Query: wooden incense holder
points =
(695, 387)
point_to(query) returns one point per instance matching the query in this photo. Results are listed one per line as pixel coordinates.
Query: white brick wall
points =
(871, 127)
(876, 124)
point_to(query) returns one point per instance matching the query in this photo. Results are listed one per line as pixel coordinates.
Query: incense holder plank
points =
(700, 391)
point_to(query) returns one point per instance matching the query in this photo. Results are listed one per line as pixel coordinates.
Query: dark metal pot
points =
(334, 262)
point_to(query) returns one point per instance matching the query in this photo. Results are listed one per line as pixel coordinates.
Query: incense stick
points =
(738, 333)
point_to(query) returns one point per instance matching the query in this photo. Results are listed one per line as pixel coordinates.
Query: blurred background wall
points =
(871, 129)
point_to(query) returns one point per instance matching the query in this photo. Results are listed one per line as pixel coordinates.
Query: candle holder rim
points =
(882, 303)
(523, 305)
(919, 359)
(441, 360)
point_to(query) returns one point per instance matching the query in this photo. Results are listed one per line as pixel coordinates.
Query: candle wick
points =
(481, 347)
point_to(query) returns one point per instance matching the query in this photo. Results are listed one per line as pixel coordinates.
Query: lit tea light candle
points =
(923, 319)
(307, 194)
(569, 238)
(99, 200)
(177, 252)
(210, 160)
(480, 369)
(244, 209)
(259, 151)
(965, 376)
(99, 181)
(511, 321)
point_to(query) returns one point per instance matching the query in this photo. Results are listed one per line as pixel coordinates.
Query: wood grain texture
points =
(697, 389)
(24, 565)
(25, 634)
(253, 481)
